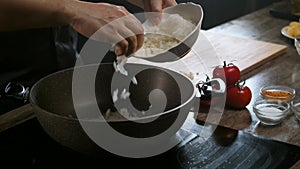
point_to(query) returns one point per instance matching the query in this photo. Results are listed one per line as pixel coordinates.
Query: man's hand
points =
(112, 24)
(154, 6)
(117, 26)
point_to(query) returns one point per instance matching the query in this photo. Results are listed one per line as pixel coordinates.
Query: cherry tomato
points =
(228, 72)
(238, 97)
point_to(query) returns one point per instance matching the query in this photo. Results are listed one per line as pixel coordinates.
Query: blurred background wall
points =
(216, 12)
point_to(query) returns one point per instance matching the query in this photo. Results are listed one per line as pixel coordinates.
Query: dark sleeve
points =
(28, 55)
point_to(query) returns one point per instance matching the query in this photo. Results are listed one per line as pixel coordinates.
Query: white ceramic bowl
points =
(297, 44)
(277, 92)
(191, 12)
(271, 112)
(295, 106)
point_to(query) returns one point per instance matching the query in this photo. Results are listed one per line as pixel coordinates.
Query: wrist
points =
(67, 11)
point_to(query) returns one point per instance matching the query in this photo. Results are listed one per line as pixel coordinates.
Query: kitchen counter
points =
(282, 70)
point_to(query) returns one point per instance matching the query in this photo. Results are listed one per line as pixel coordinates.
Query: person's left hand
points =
(155, 6)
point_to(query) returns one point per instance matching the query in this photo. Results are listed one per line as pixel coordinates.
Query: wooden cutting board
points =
(211, 49)
(246, 53)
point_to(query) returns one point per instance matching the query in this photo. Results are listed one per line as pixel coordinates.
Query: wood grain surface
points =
(15, 117)
(247, 54)
(211, 49)
(282, 67)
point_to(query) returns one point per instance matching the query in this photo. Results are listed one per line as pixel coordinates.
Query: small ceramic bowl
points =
(271, 112)
(283, 93)
(295, 106)
(189, 11)
(297, 44)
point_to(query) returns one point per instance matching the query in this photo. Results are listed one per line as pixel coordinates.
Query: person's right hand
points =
(115, 24)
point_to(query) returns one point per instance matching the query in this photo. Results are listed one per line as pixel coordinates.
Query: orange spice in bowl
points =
(281, 95)
(277, 93)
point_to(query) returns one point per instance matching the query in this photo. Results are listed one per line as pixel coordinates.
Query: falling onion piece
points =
(107, 114)
(124, 113)
(115, 95)
(134, 81)
(125, 94)
(119, 65)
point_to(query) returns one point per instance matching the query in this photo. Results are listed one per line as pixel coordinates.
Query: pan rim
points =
(40, 109)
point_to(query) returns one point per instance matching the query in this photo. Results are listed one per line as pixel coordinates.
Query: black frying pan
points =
(51, 99)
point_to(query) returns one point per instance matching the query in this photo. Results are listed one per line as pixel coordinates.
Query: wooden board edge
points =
(15, 117)
(278, 53)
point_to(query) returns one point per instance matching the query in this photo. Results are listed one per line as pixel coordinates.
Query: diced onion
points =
(115, 95)
(169, 33)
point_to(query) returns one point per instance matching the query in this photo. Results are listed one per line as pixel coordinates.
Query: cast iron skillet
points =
(52, 102)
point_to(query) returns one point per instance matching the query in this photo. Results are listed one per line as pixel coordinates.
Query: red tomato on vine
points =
(238, 96)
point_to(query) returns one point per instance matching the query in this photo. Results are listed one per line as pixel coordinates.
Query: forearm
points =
(25, 14)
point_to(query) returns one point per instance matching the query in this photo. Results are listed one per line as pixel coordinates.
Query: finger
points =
(121, 48)
(136, 27)
(156, 8)
(132, 45)
(127, 46)
(125, 31)
(152, 14)
(140, 41)
(135, 42)
(121, 29)
(147, 7)
(134, 33)
(168, 3)
(109, 33)
(125, 38)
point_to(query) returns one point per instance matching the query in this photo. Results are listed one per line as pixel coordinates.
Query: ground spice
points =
(281, 95)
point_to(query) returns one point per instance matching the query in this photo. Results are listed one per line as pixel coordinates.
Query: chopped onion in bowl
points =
(169, 33)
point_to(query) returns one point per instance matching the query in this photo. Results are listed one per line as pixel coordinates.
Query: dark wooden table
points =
(282, 70)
